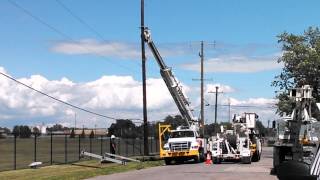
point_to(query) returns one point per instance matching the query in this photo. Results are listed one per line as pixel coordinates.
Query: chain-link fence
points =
(18, 153)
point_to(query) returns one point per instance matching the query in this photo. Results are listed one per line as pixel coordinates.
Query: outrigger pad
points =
(294, 170)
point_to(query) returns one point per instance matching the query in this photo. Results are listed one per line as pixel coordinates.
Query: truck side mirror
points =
(273, 124)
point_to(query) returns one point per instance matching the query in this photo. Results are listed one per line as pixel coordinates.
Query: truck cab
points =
(181, 145)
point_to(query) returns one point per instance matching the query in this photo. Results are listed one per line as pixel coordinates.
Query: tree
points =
(83, 135)
(175, 121)
(260, 127)
(301, 60)
(36, 131)
(57, 127)
(91, 134)
(16, 130)
(124, 128)
(25, 132)
(72, 134)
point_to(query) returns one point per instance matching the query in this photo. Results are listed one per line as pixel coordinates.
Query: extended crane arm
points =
(172, 83)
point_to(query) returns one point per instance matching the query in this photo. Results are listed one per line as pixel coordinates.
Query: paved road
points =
(231, 171)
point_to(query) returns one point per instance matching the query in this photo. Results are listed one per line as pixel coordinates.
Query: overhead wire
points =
(64, 35)
(56, 99)
(83, 22)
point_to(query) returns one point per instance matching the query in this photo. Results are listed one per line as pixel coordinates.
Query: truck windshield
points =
(179, 134)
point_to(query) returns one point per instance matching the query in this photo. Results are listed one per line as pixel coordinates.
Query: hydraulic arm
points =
(172, 84)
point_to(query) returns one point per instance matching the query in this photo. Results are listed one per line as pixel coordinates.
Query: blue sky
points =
(244, 31)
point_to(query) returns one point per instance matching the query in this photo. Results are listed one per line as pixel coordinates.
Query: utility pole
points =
(201, 55)
(229, 106)
(216, 106)
(144, 89)
(201, 79)
(75, 120)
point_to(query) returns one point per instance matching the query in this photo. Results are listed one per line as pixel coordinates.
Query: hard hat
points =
(112, 136)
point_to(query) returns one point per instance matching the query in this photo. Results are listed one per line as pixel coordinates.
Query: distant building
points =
(3, 133)
(87, 132)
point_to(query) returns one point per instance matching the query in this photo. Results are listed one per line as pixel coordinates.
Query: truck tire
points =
(216, 160)
(246, 160)
(167, 161)
(255, 157)
(202, 156)
(196, 159)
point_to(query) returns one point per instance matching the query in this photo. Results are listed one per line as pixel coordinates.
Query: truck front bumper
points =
(168, 154)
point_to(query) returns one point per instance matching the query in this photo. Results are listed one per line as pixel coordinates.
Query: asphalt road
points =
(225, 171)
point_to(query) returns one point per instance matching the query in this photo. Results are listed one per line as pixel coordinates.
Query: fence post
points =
(101, 145)
(79, 146)
(140, 147)
(133, 141)
(15, 152)
(51, 160)
(65, 149)
(90, 140)
(157, 145)
(35, 147)
(119, 142)
(126, 141)
(151, 143)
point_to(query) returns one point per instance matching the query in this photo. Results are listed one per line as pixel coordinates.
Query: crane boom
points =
(172, 83)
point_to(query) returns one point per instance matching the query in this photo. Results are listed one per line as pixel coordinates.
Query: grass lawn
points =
(25, 149)
(79, 170)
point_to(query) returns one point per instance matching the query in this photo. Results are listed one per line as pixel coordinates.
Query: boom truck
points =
(183, 143)
(241, 143)
(296, 152)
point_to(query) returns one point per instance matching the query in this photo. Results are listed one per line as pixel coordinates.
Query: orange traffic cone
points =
(208, 161)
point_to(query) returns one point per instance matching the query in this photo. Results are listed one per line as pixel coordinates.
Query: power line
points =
(57, 30)
(247, 106)
(84, 23)
(39, 20)
(80, 19)
(56, 99)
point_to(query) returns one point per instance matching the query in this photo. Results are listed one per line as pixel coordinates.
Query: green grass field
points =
(25, 150)
(75, 171)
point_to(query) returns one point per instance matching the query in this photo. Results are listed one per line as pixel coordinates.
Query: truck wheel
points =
(216, 160)
(202, 156)
(246, 160)
(167, 161)
(255, 157)
(196, 159)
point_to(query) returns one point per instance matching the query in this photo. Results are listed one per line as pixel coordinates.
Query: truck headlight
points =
(166, 147)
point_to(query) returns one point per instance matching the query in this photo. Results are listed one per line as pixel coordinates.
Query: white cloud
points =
(116, 49)
(264, 107)
(116, 96)
(93, 47)
(240, 64)
(253, 101)
(222, 88)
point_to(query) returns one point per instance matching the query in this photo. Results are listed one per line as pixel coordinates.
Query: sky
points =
(88, 54)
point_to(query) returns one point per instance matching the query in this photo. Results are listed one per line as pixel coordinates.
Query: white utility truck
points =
(242, 143)
(184, 143)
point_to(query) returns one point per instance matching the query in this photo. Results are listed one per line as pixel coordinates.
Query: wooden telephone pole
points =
(144, 89)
